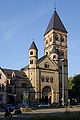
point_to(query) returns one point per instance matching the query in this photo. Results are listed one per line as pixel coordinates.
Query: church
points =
(46, 78)
(48, 73)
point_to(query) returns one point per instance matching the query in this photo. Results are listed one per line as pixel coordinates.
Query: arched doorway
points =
(46, 99)
(50, 100)
(46, 95)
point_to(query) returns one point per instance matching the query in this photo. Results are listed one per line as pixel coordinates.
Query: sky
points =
(21, 21)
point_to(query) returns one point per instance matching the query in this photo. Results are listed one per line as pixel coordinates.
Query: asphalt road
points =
(43, 112)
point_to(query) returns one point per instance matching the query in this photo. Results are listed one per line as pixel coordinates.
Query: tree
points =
(70, 83)
(74, 87)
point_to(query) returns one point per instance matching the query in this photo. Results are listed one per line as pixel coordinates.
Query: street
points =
(43, 112)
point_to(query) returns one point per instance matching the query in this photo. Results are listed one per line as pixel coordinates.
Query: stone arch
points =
(47, 95)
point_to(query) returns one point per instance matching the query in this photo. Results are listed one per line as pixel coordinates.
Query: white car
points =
(44, 105)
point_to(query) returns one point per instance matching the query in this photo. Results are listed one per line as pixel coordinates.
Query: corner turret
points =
(33, 55)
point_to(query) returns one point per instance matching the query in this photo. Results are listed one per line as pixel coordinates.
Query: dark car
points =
(11, 107)
(2, 108)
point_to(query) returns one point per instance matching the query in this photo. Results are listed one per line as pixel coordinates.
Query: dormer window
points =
(46, 65)
(31, 53)
(13, 74)
(62, 39)
(31, 61)
(24, 75)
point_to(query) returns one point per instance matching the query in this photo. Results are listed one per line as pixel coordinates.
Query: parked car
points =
(78, 105)
(44, 105)
(11, 107)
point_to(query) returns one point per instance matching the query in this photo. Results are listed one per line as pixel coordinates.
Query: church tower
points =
(55, 45)
(55, 35)
(33, 55)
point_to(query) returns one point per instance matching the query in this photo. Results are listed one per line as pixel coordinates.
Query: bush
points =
(26, 109)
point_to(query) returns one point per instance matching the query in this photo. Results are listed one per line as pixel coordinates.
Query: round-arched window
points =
(56, 37)
(51, 79)
(62, 53)
(31, 61)
(46, 65)
(51, 39)
(31, 52)
(62, 39)
(42, 78)
(47, 79)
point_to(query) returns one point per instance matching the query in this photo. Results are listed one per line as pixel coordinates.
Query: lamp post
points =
(62, 61)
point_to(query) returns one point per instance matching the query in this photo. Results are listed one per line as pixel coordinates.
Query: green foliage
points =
(70, 83)
(74, 86)
(26, 109)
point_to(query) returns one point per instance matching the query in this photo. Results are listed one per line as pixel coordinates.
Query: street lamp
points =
(62, 61)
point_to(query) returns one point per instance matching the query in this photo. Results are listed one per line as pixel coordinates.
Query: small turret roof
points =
(55, 23)
(33, 46)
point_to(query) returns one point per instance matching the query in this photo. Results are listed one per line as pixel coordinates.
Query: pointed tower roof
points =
(55, 23)
(33, 46)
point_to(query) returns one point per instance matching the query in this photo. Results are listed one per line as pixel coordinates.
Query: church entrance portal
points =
(46, 95)
(46, 99)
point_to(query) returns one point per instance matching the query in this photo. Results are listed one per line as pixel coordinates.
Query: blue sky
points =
(23, 20)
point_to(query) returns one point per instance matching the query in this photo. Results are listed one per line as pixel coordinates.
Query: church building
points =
(45, 79)
(49, 74)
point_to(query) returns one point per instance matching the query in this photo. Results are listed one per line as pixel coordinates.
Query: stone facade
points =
(2, 87)
(49, 74)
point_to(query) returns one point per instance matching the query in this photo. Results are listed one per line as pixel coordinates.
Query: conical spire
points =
(33, 46)
(55, 23)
